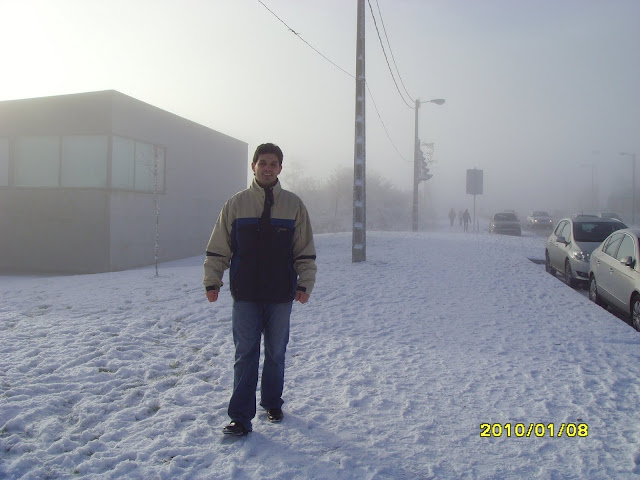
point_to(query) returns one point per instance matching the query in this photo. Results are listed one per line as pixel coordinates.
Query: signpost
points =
(474, 187)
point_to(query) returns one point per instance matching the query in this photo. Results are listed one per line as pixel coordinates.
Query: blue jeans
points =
(249, 321)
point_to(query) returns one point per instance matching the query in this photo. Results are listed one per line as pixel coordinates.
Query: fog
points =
(541, 95)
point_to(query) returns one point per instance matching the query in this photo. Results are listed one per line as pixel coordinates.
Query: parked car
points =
(610, 215)
(539, 220)
(585, 215)
(614, 274)
(569, 246)
(505, 223)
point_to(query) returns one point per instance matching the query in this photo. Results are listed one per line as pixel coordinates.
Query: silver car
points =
(614, 274)
(610, 215)
(569, 246)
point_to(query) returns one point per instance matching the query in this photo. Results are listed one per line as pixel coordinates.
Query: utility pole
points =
(633, 190)
(416, 147)
(359, 240)
(633, 185)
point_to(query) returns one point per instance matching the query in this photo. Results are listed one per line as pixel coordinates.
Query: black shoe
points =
(235, 428)
(275, 415)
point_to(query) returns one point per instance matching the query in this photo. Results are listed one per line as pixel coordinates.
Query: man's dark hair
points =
(268, 148)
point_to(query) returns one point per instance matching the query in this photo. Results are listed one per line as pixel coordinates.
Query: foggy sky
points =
(536, 91)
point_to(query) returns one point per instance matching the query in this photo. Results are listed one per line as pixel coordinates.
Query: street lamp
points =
(593, 185)
(416, 156)
(633, 185)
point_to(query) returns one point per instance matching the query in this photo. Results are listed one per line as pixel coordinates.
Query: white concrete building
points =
(77, 180)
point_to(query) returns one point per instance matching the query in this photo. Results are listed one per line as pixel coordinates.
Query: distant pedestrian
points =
(466, 219)
(460, 215)
(452, 216)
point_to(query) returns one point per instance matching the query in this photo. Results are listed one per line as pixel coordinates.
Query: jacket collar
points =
(258, 190)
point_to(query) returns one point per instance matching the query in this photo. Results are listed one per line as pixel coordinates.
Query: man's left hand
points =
(302, 297)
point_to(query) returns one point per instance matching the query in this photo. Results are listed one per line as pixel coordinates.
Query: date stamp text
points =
(523, 430)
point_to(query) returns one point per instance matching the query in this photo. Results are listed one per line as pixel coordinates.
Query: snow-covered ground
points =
(393, 367)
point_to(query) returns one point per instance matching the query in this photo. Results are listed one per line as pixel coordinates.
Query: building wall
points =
(131, 229)
(203, 169)
(54, 230)
(83, 113)
(97, 230)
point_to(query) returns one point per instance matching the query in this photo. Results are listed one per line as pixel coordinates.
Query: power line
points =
(386, 58)
(343, 70)
(391, 51)
(383, 125)
(311, 46)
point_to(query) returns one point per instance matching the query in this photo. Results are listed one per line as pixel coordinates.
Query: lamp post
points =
(633, 185)
(593, 185)
(416, 155)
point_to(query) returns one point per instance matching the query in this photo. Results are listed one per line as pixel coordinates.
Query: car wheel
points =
(547, 264)
(568, 275)
(635, 312)
(593, 292)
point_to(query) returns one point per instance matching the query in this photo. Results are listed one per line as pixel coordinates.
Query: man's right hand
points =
(212, 295)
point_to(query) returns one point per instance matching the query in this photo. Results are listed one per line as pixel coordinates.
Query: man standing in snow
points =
(264, 234)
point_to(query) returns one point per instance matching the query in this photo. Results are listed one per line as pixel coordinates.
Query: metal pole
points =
(474, 213)
(359, 239)
(416, 146)
(633, 185)
(593, 188)
(633, 189)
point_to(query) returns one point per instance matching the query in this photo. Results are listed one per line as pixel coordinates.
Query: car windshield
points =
(540, 214)
(505, 217)
(594, 231)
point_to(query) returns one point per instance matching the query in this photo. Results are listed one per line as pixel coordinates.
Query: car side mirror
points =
(628, 262)
(561, 239)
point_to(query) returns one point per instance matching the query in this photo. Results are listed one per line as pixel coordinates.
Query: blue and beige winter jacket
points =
(268, 263)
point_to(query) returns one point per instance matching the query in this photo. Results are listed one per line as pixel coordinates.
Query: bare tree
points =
(152, 165)
(330, 202)
(156, 247)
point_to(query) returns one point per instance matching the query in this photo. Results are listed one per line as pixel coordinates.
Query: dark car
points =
(539, 220)
(569, 246)
(506, 223)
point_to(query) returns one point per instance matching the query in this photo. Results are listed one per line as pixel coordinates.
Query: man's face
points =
(266, 169)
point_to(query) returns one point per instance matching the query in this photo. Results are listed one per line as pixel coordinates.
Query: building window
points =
(161, 152)
(4, 162)
(147, 156)
(84, 161)
(133, 165)
(81, 161)
(37, 161)
(122, 163)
